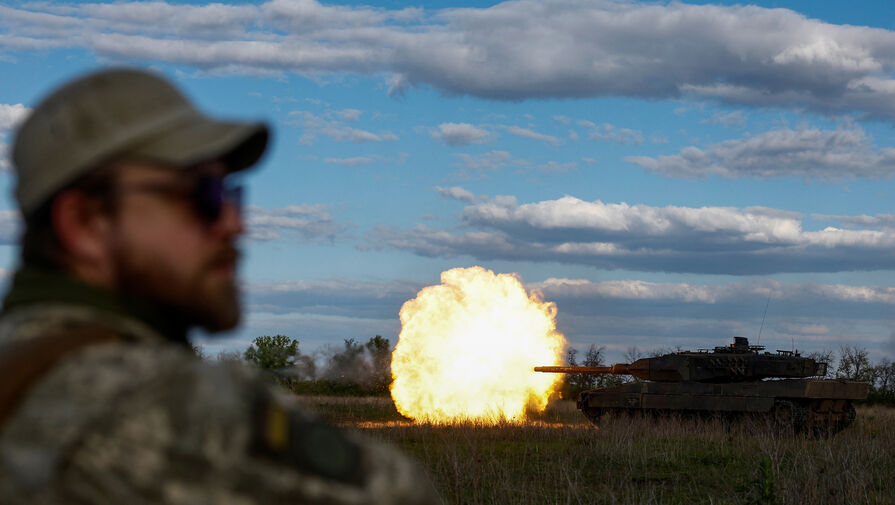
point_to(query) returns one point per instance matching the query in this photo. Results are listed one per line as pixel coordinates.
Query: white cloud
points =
(714, 240)
(307, 16)
(713, 293)
(326, 310)
(808, 153)
(734, 118)
(11, 116)
(510, 51)
(653, 314)
(486, 162)
(556, 167)
(628, 289)
(461, 134)
(877, 221)
(10, 226)
(608, 133)
(571, 213)
(357, 135)
(310, 222)
(533, 135)
(349, 114)
(331, 126)
(351, 162)
(456, 193)
(184, 19)
(345, 286)
(344, 295)
(5, 162)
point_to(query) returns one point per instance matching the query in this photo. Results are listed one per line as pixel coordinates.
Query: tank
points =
(735, 381)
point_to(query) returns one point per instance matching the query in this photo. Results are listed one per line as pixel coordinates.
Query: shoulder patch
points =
(286, 434)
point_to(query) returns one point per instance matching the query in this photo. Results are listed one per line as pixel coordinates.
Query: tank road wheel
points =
(788, 417)
(848, 417)
(593, 414)
(842, 419)
(828, 417)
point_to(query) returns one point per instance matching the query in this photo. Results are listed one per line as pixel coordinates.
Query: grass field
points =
(560, 458)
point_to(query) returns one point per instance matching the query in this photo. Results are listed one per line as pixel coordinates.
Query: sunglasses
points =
(207, 193)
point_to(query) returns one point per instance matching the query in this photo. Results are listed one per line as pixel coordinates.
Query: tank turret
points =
(732, 381)
(739, 362)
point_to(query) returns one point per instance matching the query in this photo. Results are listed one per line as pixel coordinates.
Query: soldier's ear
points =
(83, 228)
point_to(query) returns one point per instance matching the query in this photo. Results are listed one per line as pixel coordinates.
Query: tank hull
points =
(816, 405)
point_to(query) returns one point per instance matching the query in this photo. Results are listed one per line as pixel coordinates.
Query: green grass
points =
(560, 458)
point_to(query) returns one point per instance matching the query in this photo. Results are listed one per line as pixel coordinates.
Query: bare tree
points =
(633, 354)
(825, 356)
(854, 364)
(661, 351)
(577, 382)
(885, 375)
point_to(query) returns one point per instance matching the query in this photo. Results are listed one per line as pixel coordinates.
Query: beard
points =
(202, 298)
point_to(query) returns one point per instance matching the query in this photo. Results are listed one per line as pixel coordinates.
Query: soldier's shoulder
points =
(91, 382)
(90, 390)
(173, 428)
(31, 321)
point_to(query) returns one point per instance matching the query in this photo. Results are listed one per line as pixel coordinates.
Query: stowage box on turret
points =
(785, 387)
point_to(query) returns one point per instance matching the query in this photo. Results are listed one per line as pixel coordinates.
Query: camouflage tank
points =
(733, 381)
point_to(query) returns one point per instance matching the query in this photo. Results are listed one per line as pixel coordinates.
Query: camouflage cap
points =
(121, 113)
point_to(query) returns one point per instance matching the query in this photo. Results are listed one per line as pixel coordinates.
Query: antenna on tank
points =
(758, 340)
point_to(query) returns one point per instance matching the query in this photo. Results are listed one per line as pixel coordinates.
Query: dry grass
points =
(560, 458)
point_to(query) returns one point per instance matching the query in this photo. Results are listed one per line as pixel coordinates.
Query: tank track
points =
(817, 418)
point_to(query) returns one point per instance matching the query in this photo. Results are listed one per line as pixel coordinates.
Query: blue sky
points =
(656, 169)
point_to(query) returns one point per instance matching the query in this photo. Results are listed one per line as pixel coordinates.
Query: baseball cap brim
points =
(197, 138)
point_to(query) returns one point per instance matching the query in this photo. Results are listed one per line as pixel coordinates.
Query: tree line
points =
(352, 369)
(361, 369)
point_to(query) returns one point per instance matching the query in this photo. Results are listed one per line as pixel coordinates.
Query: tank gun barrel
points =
(617, 369)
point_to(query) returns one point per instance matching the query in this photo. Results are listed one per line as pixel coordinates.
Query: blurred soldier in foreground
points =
(131, 222)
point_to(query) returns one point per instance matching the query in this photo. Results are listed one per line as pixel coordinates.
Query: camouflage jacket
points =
(140, 420)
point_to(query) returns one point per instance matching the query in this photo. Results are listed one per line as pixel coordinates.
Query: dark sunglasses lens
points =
(209, 198)
(211, 194)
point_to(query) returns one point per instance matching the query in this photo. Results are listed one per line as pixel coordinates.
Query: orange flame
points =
(467, 347)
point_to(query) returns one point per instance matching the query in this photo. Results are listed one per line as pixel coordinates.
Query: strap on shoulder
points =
(23, 363)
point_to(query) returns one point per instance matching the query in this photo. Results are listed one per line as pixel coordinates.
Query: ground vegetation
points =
(558, 457)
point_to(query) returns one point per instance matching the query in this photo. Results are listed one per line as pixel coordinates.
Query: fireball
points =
(467, 347)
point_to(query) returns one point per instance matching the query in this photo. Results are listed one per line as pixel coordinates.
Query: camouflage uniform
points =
(140, 420)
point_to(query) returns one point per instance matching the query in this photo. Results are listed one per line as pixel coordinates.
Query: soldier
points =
(131, 220)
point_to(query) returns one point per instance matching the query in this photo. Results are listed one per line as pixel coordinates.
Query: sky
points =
(669, 174)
